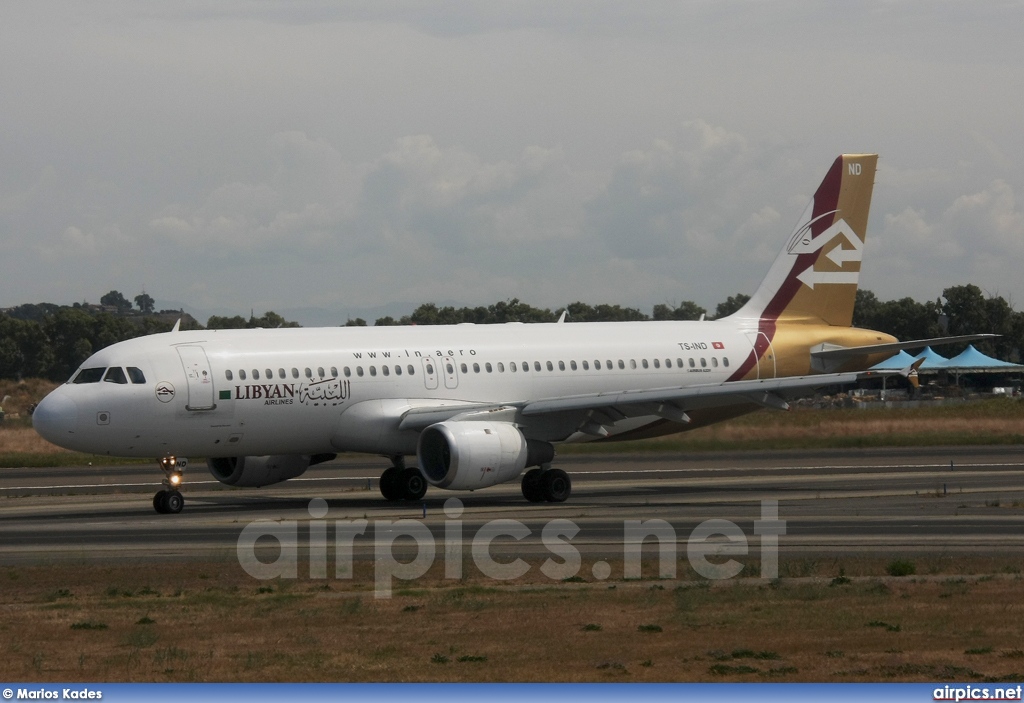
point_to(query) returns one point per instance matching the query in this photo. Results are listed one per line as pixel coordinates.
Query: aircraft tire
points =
(556, 485)
(412, 484)
(390, 486)
(174, 502)
(533, 488)
(160, 502)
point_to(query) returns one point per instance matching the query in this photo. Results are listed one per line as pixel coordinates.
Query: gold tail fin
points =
(814, 279)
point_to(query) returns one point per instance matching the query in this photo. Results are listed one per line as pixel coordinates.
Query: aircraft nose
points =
(56, 418)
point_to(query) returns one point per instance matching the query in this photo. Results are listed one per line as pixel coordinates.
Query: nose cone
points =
(56, 418)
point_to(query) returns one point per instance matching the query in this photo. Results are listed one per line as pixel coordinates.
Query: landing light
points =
(175, 479)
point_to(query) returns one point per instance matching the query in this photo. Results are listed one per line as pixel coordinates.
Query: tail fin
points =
(814, 279)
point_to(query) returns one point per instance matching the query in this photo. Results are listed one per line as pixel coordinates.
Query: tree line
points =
(50, 341)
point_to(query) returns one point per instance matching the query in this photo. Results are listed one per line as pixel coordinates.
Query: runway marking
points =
(874, 469)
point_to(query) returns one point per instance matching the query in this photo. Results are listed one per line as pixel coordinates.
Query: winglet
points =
(910, 373)
(177, 326)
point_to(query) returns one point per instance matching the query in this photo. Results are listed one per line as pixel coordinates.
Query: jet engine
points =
(256, 471)
(470, 455)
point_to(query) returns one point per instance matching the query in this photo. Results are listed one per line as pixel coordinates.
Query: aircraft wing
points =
(669, 403)
(768, 392)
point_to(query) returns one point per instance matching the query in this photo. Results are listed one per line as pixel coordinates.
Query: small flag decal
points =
(225, 395)
(717, 345)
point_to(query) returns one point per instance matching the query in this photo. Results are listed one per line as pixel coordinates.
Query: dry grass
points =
(210, 622)
(22, 395)
(25, 440)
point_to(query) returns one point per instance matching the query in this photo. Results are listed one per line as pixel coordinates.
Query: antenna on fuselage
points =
(177, 326)
(565, 314)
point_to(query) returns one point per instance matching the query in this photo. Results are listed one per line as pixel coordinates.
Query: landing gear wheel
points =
(412, 483)
(160, 502)
(173, 502)
(390, 486)
(533, 489)
(556, 485)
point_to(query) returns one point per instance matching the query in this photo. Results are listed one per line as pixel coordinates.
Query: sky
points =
(365, 156)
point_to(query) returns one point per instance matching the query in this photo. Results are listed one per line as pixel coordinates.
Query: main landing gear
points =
(170, 500)
(401, 482)
(546, 485)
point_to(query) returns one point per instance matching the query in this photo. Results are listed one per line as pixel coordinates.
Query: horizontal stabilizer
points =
(832, 352)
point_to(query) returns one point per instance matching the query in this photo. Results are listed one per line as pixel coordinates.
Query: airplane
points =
(479, 405)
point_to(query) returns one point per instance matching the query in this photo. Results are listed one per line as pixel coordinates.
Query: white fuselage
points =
(310, 391)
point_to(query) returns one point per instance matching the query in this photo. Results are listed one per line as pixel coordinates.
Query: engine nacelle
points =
(468, 455)
(256, 471)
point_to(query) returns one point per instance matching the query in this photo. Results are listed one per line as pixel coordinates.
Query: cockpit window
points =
(135, 373)
(115, 374)
(89, 376)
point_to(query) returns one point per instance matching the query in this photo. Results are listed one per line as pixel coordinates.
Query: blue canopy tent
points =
(931, 359)
(894, 363)
(971, 358)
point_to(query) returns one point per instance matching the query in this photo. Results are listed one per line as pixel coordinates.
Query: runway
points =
(868, 502)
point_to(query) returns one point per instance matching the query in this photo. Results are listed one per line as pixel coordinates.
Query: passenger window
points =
(526, 366)
(348, 372)
(725, 361)
(597, 364)
(228, 375)
(551, 367)
(512, 367)
(430, 369)
(692, 365)
(464, 369)
(703, 363)
(241, 374)
(255, 374)
(451, 369)
(632, 363)
(295, 372)
(714, 361)
(373, 370)
(572, 365)
(320, 372)
(536, 365)
(476, 368)
(282, 374)
(501, 367)
(411, 369)
(586, 366)
(136, 375)
(488, 367)
(668, 363)
(309, 372)
(385, 370)
(115, 374)
(657, 364)
(334, 372)
(398, 369)
(359, 371)
(270, 375)
(679, 363)
(608, 363)
(622, 365)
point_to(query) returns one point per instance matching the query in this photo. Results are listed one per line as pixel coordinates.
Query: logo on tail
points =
(803, 243)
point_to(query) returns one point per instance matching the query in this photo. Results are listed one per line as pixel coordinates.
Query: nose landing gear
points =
(170, 500)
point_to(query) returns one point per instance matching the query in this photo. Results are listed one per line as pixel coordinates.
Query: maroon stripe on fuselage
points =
(826, 199)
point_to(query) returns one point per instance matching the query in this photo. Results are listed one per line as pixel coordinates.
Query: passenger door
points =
(199, 377)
